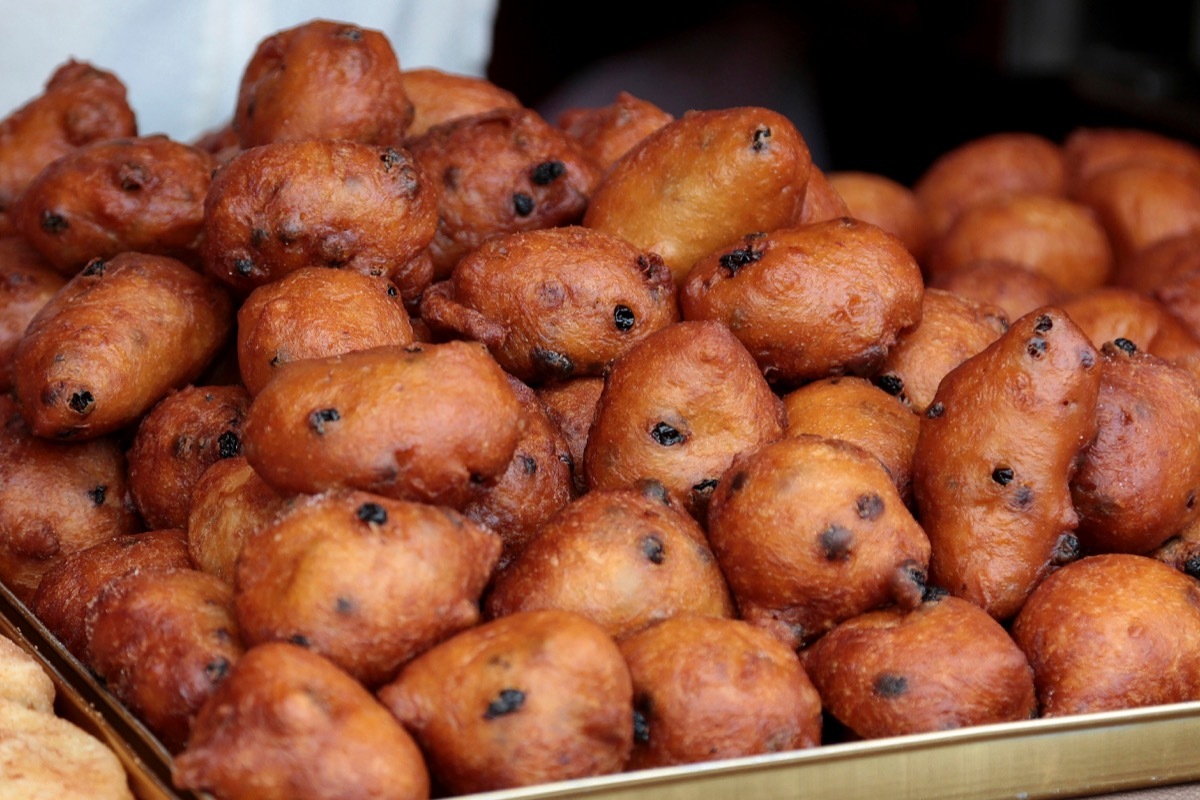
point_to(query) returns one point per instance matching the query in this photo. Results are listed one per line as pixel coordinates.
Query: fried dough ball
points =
(322, 79)
(821, 201)
(55, 498)
(609, 132)
(990, 166)
(280, 207)
(316, 312)
(182, 436)
(943, 665)
(286, 724)
(1111, 313)
(1142, 204)
(529, 698)
(1182, 551)
(22, 679)
(367, 581)
(430, 422)
(1110, 632)
(810, 532)
(554, 303)
(996, 453)
(724, 172)
(1090, 151)
(438, 96)
(624, 558)
(229, 503)
(707, 689)
(114, 341)
(1052, 236)
(69, 587)
(1161, 264)
(144, 194)
(677, 408)
(162, 640)
(811, 301)
(881, 201)
(952, 329)
(501, 172)
(81, 104)
(27, 282)
(572, 405)
(1007, 284)
(537, 482)
(1139, 479)
(859, 412)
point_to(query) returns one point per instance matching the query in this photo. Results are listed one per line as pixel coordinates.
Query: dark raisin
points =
(705, 486)
(522, 204)
(353, 34)
(390, 158)
(623, 318)
(1023, 497)
(666, 435)
(559, 363)
(1066, 550)
(508, 701)
(229, 445)
(345, 605)
(762, 138)
(1002, 475)
(935, 410)
(95, 267)
(53, 223)
(392, 290)
(641, 728)
(869, 506)
(653, 549)
(258, 237)
(243, 266)
(299, 639)
(890, 685)
(933, 593)
(372, 513)
(276, 360)
(215, 670)
(1043, 323)
(733, 261)
(1087, 358)
(835, 542)
(738, 481)
(1036, 347)
(318, 418)
(548, 172)
(478, 479)
(1192, 566)
(1127, 346)
(98, 494)
(528, 464)
(132, 177)
(80, 402)
(654, 490)
(892, 384)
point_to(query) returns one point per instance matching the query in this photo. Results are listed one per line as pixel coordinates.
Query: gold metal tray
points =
(1065, 757)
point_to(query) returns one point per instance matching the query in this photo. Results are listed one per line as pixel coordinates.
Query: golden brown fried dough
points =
(286, 724)
(609, 132)
(859, 412)
(1089, 151)
(55, 498)
(1006, 284)
(677, 408)
(1162, 264)
(707, 689)
(366, 581)
(182, 436)
(881, 201)
(322, 79)
(143, 194)
(525, 699)
(430, 422)
(280, 207)
(229, 503)
(555, 303)
(997, 450)
(810, 301)
(114, 341)
(22, 679)
(821, 201)
(1141, 204)
(726, 172)
(810, 532)
(69, 587)
(162, 640)
(572, 405)
(952, 329)
(27, 282)
(438, 96)
(1051, 236)
(1139, 479)
(990, 166)
(1110, 632)
(80, 105)
(624, 559)
(316, 312)
(943, 665)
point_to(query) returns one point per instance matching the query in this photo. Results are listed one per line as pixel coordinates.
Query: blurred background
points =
(878, 85)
